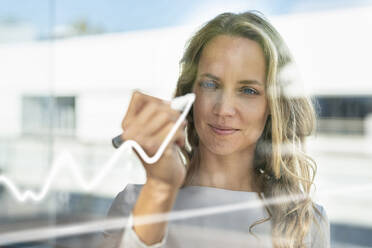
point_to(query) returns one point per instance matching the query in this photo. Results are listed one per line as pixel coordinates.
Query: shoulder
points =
(125, 200)
(121, 207)
(319, 212)
(320, 228)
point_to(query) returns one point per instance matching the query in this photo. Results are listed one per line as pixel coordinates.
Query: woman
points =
(246, 132)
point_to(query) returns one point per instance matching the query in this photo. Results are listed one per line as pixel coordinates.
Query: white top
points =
(221, 219)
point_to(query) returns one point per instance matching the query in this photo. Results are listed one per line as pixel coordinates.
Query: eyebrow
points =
(246, 82)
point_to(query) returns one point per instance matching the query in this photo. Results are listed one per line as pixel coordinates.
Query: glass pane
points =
(68, 70)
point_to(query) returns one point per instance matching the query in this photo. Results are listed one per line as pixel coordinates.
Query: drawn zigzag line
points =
(66, 161)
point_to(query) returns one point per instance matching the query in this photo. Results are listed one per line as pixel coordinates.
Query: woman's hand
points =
(148, 121)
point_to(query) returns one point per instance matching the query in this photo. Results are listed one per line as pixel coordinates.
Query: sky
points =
(125, 15)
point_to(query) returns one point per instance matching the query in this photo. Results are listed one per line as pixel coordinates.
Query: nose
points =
(224, 105)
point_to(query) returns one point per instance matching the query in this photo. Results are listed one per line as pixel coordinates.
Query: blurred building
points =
(12, 30)
(92, 77)
(75, 90)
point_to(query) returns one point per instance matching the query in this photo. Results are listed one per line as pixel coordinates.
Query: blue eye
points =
(208, 84)
(249, 91)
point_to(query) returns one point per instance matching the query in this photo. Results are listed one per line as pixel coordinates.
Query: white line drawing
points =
(66, 161)
(120, 222)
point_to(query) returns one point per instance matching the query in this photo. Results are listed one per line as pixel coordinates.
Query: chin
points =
(224, 149)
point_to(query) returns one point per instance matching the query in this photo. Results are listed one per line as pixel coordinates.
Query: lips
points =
(223, 130)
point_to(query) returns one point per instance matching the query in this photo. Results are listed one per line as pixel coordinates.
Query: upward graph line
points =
(66, 161)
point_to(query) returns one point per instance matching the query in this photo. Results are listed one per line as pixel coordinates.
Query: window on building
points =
(343, 114)
(43, 114)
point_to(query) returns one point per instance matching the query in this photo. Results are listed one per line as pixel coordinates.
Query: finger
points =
(155, 115)
(143, 126)
(145, 114)
(136, 104)
(163, 133)
(152, 145)
(142, 129)
(157, 122)
(160, 119)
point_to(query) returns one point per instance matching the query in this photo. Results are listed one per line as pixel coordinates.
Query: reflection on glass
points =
(70, 93)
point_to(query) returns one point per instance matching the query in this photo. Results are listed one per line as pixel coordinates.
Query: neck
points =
(233, 171)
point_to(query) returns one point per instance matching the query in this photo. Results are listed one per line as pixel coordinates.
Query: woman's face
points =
(230, 109)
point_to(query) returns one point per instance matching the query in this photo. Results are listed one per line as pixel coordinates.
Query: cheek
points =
(255, 117)
(202, 106)
(254, 112)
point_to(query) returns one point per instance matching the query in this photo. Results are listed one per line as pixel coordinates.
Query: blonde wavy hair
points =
(283, 168)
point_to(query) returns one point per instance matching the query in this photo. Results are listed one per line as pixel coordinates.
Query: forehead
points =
(233, 56)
